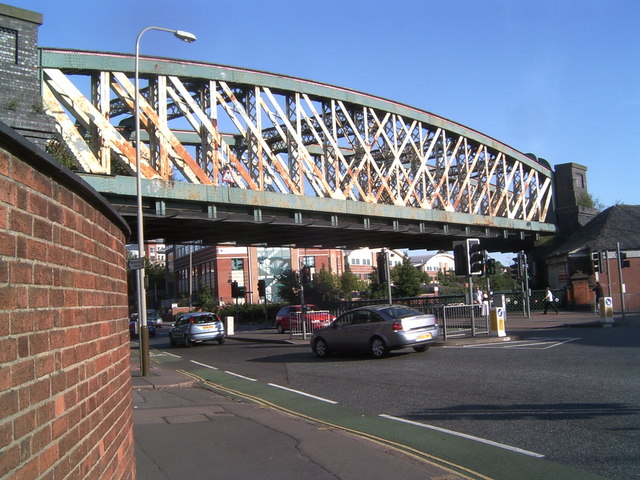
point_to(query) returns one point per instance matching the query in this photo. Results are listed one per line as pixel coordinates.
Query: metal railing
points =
(313, 320)
(464, 320)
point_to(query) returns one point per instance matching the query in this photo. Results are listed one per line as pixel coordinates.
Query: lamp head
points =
(185, 36)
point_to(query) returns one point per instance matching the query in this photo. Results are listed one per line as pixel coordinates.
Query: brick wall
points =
(20, 95)
(65, 382)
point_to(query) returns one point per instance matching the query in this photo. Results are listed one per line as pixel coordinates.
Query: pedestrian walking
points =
(549, 301)
(479, 296)
(599, 294)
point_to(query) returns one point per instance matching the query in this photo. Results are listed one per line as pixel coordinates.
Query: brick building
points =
(218, 266)
(20, 96)
(65, 380)
(570, 264)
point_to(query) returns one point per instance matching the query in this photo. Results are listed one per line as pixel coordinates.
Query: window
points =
(347, 319)
(309, 261)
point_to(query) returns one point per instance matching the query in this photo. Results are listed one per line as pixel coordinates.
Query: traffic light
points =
(477, 256)
(235, 290)
(460, 259)
(381, 262)
(623, 260)
(595, 260)
(490, 266)
(262, 288)
(516, 270)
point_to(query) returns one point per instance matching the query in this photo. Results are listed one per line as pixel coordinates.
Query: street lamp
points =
(142, 295)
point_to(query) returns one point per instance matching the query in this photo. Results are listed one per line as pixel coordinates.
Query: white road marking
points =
(532, 344)
(203, 365)
(240, 376)
(303, 393)
(171, 354)
(464, 435)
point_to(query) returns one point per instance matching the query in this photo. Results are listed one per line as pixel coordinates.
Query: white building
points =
(434, 262)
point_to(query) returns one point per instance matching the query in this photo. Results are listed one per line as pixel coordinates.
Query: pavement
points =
(245, 437)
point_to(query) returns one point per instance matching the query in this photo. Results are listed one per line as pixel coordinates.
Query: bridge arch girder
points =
(225, 126)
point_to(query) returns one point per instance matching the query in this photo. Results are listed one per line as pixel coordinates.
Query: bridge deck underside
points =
(181, 213)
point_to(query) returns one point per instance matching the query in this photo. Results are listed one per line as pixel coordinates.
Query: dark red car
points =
(291, 313)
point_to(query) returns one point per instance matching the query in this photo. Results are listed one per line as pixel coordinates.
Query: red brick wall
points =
(65, 382)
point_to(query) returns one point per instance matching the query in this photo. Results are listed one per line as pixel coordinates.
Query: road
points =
(570, 394)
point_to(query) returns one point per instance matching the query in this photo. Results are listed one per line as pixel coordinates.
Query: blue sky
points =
(557, 78)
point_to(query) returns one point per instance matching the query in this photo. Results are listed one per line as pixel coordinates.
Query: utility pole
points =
(619, 257)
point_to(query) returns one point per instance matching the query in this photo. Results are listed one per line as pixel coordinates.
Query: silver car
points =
(377, 329)
(192, 328)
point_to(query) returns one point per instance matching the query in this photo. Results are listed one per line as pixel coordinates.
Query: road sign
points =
(136, 263)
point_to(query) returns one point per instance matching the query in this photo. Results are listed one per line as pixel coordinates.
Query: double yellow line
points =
(462, 472)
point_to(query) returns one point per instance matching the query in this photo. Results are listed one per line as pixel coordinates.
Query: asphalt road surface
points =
(570, 394)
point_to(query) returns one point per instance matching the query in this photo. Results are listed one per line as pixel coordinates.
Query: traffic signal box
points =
(471, 259)
(262, 288)
(381, 263)
(237, 291)
(596, 260)
(477, 257)
(461, 261)
(623, 260)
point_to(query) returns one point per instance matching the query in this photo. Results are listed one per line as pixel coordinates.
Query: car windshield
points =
(400, 312)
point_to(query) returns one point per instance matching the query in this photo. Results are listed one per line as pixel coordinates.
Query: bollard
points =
(228, 326)
(496, 317)
(606, 309)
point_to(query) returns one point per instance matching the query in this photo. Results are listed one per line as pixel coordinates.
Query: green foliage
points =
(375, 288)
(288, 286)
(207, 300)
(326, 285)
(57, 150)
(349, 283)
(244, 314)
(407, 280)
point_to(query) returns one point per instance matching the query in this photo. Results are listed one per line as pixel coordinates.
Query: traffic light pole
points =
(619, 257)
(527, 299)
(473, 319)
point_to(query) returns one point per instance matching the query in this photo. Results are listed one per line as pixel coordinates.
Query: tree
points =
(376, 289)
(407, 279)
(288, 286)
(349, 283)
(207, 301)
(326, 285)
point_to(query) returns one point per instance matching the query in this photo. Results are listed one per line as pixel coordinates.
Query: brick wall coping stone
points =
(45, 163)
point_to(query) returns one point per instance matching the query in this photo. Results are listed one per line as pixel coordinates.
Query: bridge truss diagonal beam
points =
(213, 125)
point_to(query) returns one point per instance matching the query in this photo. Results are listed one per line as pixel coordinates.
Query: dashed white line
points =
(204, 365)
(303, 393)
(464, 435)
(240, 376)
(171, 354)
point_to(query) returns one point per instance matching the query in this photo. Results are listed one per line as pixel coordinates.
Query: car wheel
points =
(320, 348)
(421, 348)
(378, 348)
(279, 328)
(221, 340)
(172, 340)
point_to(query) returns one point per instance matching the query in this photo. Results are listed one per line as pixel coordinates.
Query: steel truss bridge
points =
(230, 154)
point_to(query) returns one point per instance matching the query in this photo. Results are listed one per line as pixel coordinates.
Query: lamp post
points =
(142, 295)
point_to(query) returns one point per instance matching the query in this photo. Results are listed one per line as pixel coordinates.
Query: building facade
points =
(434, 263)
(195, 267)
